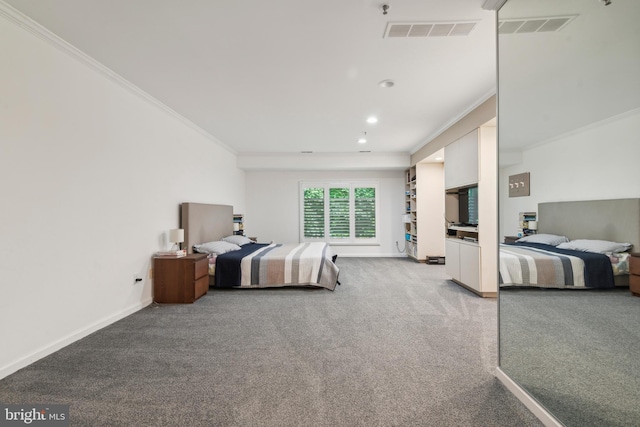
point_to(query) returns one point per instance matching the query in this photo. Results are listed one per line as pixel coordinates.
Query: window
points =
(344, 212)
(313, 213)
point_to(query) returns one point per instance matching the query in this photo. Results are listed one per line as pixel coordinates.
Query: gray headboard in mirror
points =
(616, 220)
(205, 223)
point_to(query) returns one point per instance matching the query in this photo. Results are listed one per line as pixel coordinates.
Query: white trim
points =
(18, 18)
(454, 120)
(538, 410)
(371, 256)
(339, 243)
(493, 4)
(71, 338)
(583, 129)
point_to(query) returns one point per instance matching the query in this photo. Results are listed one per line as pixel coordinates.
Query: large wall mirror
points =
(569, 121)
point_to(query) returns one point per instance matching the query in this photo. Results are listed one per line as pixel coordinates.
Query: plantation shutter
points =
(339, 225)
(339, 212)
(314, 212)
(365, 212)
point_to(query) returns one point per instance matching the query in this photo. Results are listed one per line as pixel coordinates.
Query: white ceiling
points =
(289, 75)
(558, 82)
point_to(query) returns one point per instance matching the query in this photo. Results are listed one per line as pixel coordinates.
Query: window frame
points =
(352, 185)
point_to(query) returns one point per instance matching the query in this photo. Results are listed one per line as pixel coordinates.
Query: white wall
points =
(598, 162)
(273, 207)
(91, 177)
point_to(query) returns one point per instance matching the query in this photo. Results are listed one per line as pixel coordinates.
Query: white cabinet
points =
(461, 161)
(470, 265)
(463, 264)
(472, 160)
(452, 257)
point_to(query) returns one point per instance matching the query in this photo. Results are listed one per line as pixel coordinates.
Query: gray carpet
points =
(395, 345)
(580, 351)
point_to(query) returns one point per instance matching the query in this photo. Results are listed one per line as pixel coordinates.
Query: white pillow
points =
(547, 239)
(597, 246)
(219, 247)
(237, 240)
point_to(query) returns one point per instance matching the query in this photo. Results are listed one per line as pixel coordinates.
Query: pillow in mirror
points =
(597, 246)
(547, 239)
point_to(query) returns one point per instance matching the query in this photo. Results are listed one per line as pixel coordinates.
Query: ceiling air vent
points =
(534, 25)
(428, 29)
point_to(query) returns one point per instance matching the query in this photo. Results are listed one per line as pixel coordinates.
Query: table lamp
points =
(176, 237)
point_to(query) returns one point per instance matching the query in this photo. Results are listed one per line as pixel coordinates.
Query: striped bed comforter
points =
(278, 265)
(548, 267)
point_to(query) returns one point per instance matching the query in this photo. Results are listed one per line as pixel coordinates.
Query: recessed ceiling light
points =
(372, 120)
(363, 138)
(386, 83)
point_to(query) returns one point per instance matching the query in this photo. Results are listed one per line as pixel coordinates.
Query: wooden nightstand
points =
(180, 280)
(510, 239)
(634, 273)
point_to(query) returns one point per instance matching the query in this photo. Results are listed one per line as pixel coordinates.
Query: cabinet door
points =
(452, 258)
(470, 265)
(461, 161)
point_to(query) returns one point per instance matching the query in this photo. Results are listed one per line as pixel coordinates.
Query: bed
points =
(586, 225)
(236, 262)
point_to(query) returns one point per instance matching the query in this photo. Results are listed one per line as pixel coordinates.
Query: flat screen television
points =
(468, 206)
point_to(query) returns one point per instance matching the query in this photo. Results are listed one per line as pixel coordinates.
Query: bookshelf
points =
(410, 218)
(423, 219)
(238, 224)
(527, 223)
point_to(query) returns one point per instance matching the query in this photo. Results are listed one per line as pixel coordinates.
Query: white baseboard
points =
(543, 415)
(392, 255)
(71, 338)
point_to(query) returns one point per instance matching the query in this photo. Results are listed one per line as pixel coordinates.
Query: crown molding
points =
(454, 120)
(23, 21)
(493, 4)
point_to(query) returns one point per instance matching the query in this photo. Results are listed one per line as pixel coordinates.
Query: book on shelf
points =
(526, 223)
(172, 254)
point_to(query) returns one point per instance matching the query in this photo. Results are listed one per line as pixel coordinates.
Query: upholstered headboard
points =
(205, 223)
(616, 220)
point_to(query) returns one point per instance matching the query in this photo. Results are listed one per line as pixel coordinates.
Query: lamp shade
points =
(533, 225)
(176, 236)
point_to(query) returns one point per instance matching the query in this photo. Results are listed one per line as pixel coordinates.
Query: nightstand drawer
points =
(201, 268)
(201, 287)
(634, 263)
(634, 284)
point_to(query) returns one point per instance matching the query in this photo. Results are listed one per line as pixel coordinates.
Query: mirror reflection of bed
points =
(562, 322)
(235, 261)
(579, 245)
